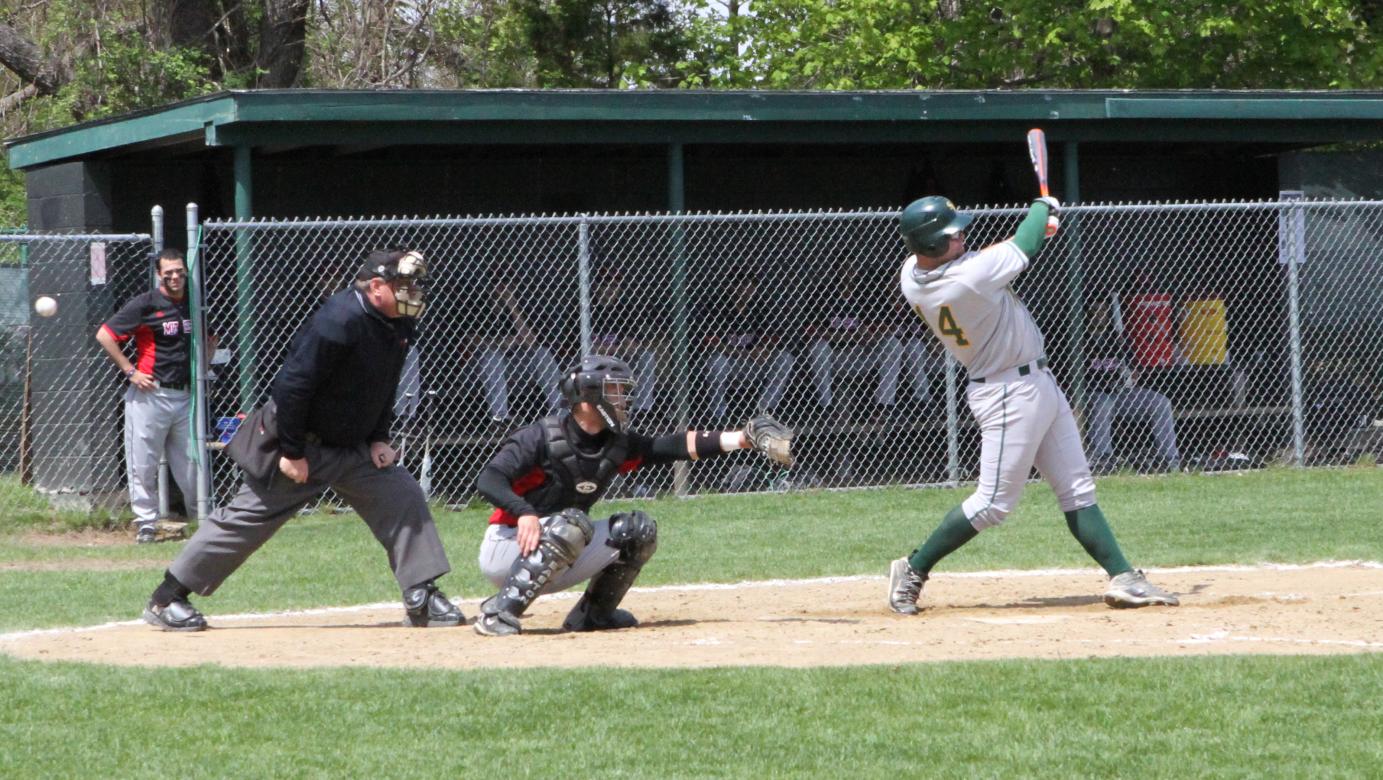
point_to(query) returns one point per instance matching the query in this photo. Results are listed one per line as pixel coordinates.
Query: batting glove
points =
(1053, 205)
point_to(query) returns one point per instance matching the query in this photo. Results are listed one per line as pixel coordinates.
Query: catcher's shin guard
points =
(564, 536)
(636, 536)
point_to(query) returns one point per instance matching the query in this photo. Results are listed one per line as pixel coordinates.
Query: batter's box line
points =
(1220, 637)
(721, 586)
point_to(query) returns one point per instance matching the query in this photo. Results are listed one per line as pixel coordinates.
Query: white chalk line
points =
(1218, 637)
(720, 586)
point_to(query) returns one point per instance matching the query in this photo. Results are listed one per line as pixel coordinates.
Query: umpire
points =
(327, 425)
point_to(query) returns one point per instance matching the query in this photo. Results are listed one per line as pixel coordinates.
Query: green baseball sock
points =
(955, 530)
(1094, 534)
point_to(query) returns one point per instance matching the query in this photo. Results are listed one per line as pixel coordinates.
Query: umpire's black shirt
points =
(341, 375)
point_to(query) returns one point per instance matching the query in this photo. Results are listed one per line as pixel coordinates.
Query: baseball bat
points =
(1037, 152)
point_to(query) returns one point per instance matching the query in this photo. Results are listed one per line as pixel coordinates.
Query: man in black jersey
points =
(547, 476)
(158, 394)
(326, 425)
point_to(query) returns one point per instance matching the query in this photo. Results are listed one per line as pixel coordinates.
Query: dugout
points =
(312, 153)
(296, 153)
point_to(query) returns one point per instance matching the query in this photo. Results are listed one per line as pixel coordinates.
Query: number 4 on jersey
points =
(946, 326)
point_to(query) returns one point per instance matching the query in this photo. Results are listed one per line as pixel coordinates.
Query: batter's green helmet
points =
(927, 225)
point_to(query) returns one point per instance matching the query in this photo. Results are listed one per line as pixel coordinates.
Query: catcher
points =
(547, 475)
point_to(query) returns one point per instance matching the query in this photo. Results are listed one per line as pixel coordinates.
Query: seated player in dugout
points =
(1024, 418)
(547, 476)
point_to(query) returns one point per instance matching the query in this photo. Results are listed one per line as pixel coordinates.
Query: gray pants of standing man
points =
(156, 426)
(389, 500)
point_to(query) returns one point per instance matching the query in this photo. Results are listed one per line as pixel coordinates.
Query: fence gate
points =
(61, 413)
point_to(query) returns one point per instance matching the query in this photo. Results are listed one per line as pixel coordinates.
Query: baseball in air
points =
(46, 306)
(1053, 224)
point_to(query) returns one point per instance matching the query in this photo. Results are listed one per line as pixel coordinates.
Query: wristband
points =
(130, 374)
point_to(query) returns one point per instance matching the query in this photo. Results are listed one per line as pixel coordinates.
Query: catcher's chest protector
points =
(581, 477)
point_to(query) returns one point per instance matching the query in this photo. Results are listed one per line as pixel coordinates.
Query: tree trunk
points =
(20, 55)
(282, 34)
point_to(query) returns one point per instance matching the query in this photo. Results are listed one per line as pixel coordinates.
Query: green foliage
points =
(14, 212)
(128, 75)
(885, 44)
(566, 43)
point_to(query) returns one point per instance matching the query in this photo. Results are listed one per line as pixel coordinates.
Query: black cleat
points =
(178, 616)
(428, 607)
(586, 621)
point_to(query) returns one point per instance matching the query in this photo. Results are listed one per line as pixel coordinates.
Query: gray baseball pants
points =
(389, 500)
(156, 425)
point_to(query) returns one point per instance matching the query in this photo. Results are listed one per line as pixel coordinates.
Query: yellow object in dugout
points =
(1204, 332)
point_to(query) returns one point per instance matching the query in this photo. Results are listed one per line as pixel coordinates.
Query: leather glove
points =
(770, 438)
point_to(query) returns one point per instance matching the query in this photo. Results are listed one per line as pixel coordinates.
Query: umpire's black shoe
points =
(178, 616)
(428, 607)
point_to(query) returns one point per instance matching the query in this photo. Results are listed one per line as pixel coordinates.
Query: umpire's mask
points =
(603, 382)
(406, 273)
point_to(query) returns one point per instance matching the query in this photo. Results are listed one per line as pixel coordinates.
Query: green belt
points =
(1025, 369)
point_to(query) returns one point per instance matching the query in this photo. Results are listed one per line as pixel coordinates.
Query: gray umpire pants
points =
(389, 500)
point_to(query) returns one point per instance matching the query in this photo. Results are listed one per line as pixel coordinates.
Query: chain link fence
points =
(1203, 337)
(61, 414)
(1190, 336)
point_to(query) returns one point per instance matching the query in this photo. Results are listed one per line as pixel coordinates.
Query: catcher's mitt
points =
(770, 438)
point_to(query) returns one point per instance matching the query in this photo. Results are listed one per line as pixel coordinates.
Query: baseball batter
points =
(1023, 415)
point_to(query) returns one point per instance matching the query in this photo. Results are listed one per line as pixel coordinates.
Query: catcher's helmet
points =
(927, 225)
(407, 271)
(604, 382)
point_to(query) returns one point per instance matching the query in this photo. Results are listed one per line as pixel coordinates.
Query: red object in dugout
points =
(1148, 322)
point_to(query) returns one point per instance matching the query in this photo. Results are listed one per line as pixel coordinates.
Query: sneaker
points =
(1132, 589)
(904, 587)
(178, 616)
(147, 534)
(428, 607)
(498, 624)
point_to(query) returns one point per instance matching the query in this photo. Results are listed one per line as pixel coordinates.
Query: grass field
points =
(1227, 716)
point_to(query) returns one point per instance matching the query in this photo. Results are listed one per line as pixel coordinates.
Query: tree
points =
(962, 44)
(566, 43)
(102, 56)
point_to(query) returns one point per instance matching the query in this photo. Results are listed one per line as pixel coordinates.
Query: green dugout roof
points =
(284, 119)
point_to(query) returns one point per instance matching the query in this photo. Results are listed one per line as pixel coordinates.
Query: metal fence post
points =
(198, 360)
(1293, 233)
(681, 474)
(164, 475)
(583, 274)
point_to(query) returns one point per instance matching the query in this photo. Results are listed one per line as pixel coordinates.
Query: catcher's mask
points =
(406, 273)
(927, 225)
(605, 383)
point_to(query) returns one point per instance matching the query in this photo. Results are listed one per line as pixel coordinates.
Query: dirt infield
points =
(1317, 609)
